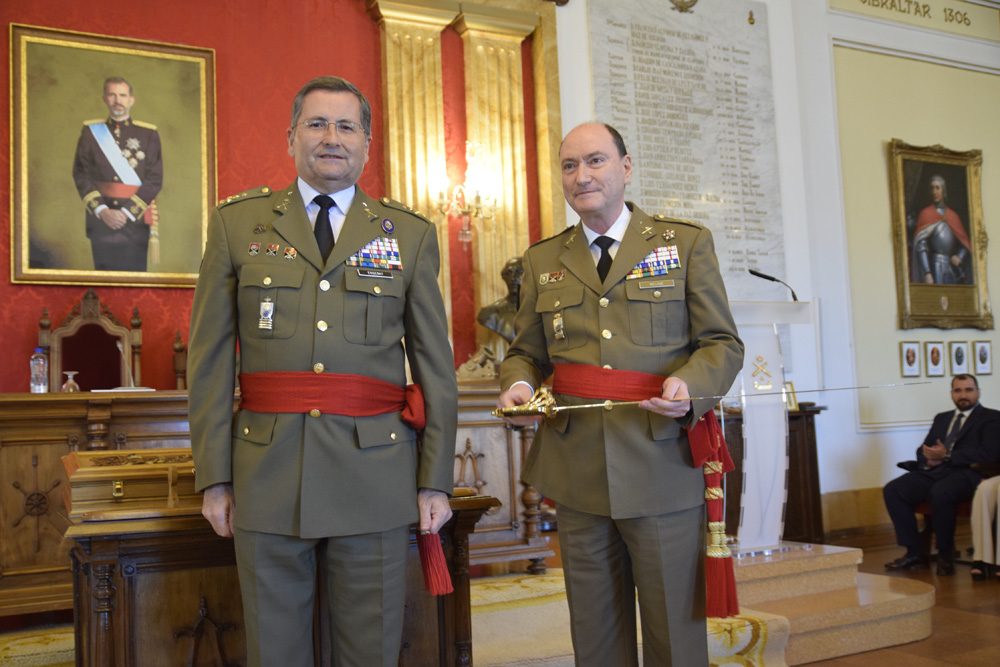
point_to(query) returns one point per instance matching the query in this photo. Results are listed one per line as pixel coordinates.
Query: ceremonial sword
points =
(544, 403)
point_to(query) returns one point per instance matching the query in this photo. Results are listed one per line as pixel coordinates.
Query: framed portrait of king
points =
(939, 240)
(113, 147)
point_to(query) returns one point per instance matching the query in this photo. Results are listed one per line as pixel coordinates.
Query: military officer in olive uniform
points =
(118, 171)
(630, 503)
(317, 465)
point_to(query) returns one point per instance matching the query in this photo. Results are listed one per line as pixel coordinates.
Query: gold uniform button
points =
(606, 334)
(606, 367)
(246, 430)
(324, 285)
(657, 294)
(321, 325)
(318, 367)
(377, 289)
(557, 303)
(384, 200)
(267, 280)
(314, 413)
(265, 190)
(604, 302)
(392, 436)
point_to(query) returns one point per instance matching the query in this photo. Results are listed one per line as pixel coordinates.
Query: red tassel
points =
(721, 588)
(437, 579)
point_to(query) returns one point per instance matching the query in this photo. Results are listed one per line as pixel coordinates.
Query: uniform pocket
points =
(274, 289)
(657, 311)
(561, 311)
(371, 304)
(381, 430)
(255, 427)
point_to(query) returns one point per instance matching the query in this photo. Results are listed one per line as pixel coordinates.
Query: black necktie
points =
(323, 231)
(956, 426)
(604, 263)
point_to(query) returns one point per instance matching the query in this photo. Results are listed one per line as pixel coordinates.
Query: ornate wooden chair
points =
(91, 341)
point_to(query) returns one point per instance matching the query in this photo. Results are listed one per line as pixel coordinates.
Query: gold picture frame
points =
(57, 96)
(909, 359)
(958, 357)
(939, 240)
(982, 357)
(791, 400)
(934, 359)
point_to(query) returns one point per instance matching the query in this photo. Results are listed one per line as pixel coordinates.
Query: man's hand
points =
(435, 510)
(935, 454)
(673, 402)
(113, 218)
(219, 506)
(956, 261)
(518, 394)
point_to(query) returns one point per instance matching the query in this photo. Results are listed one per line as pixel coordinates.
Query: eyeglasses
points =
(343, 128)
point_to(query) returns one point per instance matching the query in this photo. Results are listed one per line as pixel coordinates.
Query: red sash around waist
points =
(330, 393)
(588, 381)
(116, 190)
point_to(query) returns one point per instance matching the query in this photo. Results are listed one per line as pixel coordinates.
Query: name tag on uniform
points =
(655, 284)
(374, 273)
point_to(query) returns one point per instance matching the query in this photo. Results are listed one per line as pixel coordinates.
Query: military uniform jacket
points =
(140, 145)
(627, 462)
(295, 474)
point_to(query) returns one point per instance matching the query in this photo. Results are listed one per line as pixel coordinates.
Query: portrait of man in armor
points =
(940, 249)
(938, 237)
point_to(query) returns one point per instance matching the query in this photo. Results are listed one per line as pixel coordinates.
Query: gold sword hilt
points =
(543, 403)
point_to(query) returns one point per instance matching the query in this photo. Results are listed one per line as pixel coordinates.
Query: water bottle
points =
(39, 372)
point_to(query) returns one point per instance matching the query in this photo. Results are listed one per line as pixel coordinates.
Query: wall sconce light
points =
(471, 199)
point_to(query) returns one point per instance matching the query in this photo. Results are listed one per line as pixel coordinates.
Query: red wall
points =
(264, 51)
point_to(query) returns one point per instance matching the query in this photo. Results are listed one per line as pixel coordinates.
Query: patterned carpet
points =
(522, 619)
(50, 646)
(518, 620)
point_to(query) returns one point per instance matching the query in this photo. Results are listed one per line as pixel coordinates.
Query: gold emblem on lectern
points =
(761, 383)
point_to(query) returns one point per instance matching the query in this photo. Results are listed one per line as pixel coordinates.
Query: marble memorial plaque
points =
(691, 94)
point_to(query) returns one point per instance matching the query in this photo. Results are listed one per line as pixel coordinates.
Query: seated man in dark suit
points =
(942, 475)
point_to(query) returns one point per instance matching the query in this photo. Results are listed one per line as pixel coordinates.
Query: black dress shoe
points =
(979, 571)
(908, 563)
(945, 567)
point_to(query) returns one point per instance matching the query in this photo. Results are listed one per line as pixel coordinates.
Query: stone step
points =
(794, 569)
(880, 611)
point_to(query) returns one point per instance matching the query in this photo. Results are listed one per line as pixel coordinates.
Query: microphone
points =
(121, 351)
(754, 272)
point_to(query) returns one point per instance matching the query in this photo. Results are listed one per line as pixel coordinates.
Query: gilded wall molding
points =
(492, 36)
(413, 109)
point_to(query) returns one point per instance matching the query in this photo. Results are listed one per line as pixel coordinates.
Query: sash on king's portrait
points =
(114, 154)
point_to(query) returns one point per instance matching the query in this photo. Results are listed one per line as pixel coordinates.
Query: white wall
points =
(803, 33)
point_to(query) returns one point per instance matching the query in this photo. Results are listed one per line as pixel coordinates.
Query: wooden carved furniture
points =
(180, 361)
(37, 429)
(803, 508)
(91, 341)
(159, 588)
(488, 460)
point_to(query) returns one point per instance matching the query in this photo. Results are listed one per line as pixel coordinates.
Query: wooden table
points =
(163, 591)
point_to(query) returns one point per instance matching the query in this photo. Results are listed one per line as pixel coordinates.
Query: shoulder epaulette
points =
(554, 236)
(94, 120)
(659, 217)
(253, 193)
(139, 123)
(399, 206)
